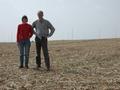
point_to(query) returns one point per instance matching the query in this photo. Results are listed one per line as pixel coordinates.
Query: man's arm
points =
(52, 29)
(34, 32)
(33, 26)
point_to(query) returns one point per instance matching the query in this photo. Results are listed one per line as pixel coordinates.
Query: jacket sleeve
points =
(52, 29)
(18, 33)
(33, 26)
(31, 32)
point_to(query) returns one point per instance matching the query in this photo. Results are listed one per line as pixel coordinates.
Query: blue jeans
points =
(24, 47)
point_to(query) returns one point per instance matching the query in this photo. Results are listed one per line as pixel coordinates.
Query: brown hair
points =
(24, 17)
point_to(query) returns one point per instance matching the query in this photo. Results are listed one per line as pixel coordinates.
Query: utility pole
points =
(72, 34)
(100, 33)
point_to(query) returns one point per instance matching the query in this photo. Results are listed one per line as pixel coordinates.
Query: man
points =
(43, 30)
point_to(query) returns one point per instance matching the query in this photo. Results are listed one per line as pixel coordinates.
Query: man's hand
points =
(49, 35)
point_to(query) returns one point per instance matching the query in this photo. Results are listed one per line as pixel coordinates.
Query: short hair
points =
(24, 17)
(40, 12)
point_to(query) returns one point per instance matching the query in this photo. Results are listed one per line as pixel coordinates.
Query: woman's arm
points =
(18, 33)
(31, 32)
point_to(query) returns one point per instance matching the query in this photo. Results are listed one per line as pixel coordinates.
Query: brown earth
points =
(75, 65)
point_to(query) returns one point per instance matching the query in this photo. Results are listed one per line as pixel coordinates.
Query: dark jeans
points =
(42, 43)
(24, 47)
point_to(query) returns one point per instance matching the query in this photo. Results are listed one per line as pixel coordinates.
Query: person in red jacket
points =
(24, 33)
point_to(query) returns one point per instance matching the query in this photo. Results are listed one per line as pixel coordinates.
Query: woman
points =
(24, 33)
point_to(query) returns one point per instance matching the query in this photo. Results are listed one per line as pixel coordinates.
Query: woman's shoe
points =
(27, 67)
(20, 66)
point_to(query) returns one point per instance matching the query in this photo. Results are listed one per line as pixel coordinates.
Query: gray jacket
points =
(44, 29)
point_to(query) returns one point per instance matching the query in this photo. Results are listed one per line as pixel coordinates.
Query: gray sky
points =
(73, 19)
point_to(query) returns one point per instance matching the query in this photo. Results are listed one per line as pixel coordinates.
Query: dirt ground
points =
(75, 65)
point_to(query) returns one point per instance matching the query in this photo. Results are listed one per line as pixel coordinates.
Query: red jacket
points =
(24, 32)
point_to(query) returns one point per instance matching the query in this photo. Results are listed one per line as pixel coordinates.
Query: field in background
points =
(76, 65)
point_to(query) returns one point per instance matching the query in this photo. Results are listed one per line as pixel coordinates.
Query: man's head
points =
(24, 19)
(40, 14)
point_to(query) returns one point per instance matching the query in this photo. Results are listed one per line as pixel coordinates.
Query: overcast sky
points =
(73, 19)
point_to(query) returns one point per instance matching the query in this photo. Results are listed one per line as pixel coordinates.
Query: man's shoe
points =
(48, 69)
(38, 66)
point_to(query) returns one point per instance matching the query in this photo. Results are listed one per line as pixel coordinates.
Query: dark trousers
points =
(42, 43)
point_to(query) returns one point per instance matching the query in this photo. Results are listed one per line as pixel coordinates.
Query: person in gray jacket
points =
(43, 30)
